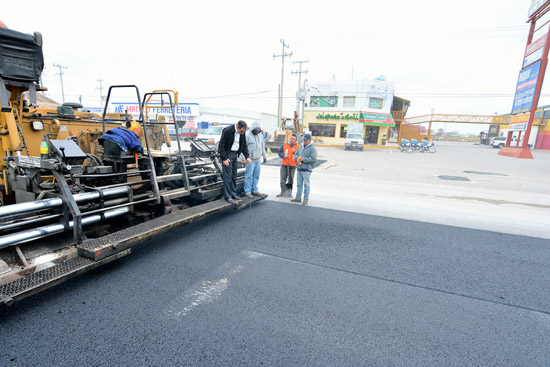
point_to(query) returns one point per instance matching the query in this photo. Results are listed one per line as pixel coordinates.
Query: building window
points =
(327, 130)
(377, 103)
(349, 101)
(343, 131)
(326, 101)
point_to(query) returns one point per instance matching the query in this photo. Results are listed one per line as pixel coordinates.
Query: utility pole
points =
(299, 95)
(61, 78)
(101, 97)
(282, 55)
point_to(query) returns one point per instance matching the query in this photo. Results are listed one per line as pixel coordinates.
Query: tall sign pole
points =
(529, 83)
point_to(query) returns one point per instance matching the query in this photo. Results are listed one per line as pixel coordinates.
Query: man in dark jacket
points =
(232, 144)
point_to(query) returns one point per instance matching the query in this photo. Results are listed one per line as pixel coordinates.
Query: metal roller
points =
(36, 233)
(39, 205)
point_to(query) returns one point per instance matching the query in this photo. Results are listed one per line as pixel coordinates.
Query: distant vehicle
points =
(354, 141)
(354, 137)
(500, 142)
(183, 131)
(211, 136)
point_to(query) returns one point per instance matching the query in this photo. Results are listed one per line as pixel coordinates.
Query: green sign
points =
(337, 116)
(376, 119)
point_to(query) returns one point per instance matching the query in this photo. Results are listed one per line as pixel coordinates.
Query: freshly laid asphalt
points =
(284, 285)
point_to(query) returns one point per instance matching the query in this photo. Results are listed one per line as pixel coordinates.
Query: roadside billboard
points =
(525, 89)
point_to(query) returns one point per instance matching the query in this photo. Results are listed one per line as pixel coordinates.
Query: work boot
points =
(296, 200)
(304, 202)
(248, 195)
(258, 194)
(231, 201)
(281, 194)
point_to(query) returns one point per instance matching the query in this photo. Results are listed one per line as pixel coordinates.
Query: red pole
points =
(540, 79)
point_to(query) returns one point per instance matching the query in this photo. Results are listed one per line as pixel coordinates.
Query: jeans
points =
(229, 175)
(287, 175)
(303, 181)
(251, 177)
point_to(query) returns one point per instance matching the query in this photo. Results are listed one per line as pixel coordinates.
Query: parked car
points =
(354, 141)
(211, 136)
(500, 141)
(183, 131)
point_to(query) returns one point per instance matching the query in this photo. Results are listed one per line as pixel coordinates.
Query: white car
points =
(354, 141)
(500, 142)
(211, 136)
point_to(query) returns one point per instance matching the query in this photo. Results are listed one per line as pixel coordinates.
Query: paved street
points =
(282, 284)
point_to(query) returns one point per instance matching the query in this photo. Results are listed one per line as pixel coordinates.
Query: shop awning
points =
(376, 119)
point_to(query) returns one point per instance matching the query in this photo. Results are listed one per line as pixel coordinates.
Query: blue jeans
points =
(303, 182)
(251, 177)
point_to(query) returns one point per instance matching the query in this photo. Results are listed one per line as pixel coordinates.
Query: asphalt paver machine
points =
(72, 200)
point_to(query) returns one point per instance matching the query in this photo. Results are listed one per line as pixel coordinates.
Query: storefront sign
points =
(337, 116)
(376, 119)
(519, 122)
(182, 109)
(525, 90)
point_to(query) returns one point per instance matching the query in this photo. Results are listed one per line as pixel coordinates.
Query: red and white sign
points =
(533, 46)
(519, 122)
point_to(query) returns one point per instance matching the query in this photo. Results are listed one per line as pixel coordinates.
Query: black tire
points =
(432, 149)
(500, 146)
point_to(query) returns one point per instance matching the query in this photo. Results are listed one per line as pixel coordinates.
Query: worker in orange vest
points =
(288, 165)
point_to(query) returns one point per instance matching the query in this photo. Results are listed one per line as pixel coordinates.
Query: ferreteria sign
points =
(336, 116)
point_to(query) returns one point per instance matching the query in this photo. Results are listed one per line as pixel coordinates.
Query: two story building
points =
(330, 106)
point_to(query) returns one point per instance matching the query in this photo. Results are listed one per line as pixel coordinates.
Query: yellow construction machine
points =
(66, 174)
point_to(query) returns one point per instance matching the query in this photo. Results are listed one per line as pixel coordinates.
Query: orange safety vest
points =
(289, 151)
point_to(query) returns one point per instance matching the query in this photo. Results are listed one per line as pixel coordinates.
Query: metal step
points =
(99, 248)
(33, 283)
(175, 193)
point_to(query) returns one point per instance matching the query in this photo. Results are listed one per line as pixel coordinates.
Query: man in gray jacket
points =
(256, 149)
(306, 157)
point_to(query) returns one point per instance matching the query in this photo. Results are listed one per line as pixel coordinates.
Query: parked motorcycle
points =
(405, 145)
(427, 146)
(415, 145)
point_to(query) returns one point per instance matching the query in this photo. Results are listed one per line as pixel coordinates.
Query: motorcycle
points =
(427, 146)
(405, 145)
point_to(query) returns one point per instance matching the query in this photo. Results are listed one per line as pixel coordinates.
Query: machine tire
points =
(432, 149)
(500, 146)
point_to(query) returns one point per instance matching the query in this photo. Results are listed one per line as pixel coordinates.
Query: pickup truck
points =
(500, 141)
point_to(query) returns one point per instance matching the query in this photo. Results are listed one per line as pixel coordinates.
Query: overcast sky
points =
(451, 56)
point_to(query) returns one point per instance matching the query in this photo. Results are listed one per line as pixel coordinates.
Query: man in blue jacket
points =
(306, 157)
(232, 144)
